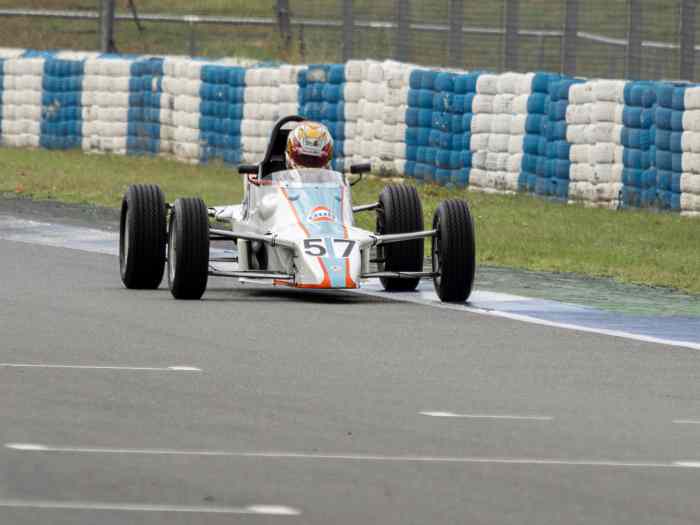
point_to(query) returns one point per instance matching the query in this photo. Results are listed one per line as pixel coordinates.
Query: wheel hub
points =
(172, 252)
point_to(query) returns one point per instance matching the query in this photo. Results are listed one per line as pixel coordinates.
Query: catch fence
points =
(634, 39)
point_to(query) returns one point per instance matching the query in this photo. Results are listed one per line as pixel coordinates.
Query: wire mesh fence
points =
(637, 39)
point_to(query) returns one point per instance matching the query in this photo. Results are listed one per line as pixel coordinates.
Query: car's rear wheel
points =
(188, 249)
(142, 237)
(453, 251)
(400, 211)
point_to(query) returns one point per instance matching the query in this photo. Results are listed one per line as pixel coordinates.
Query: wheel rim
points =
(126, 235)
(380, 254)
(435, 255)
(124, 243)
(172, 252)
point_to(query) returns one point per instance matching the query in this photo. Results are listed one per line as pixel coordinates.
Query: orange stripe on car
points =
(349, 283)
(294, 212)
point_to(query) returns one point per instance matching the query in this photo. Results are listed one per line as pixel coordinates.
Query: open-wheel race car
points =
(295, 228)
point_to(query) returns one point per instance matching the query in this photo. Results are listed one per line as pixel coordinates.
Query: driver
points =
(309, 145)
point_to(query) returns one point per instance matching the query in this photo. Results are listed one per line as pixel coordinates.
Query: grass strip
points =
(518, 231)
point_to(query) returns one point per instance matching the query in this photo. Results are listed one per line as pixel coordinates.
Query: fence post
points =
(540, 53)
(348, 30)
(107, 26)
(192, 39)
(512, 26)
(284, 24)
(455, 50)
(634, 40)
(687, 39)
(568, 55)
(403, 19)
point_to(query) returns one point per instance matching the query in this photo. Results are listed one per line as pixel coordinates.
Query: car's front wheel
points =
(453, 251)
(400, 211)
(188, 249)
(142, 237)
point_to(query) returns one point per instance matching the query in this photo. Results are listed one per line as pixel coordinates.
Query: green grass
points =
(512, 230)
(72, 176)
(660, 21)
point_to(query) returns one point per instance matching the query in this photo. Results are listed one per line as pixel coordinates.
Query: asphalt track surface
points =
(306, 408)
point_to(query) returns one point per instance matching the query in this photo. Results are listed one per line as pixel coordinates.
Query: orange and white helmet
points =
(309, 145)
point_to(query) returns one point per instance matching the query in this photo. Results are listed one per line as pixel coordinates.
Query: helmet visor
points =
(310, 161)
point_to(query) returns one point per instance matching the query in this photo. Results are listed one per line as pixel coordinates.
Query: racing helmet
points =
(309, 145)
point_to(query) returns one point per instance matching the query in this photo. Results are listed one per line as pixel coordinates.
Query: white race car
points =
(295, 228)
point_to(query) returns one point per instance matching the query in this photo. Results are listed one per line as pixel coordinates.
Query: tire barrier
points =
(321, 95)
(556, 179)
(536, 125)
(21, 102)
(668, 140)
(690, 145)
(607, 143)
(594, 120)
(677, 141)
(439, 120)
(639, 176)
(145, 94)
(106, 102)
(376, 97)
(500, 110)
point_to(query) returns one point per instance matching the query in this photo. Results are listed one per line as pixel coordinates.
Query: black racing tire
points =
(453, 251)
(188, 248)
(400, 211)
(142, 237)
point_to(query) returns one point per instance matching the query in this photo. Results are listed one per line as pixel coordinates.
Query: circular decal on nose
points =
(321, 214)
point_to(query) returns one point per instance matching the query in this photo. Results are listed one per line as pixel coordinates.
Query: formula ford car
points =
(295, 228)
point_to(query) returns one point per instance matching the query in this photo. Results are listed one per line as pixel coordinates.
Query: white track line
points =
(428, 298)
(486, 416)
(259, 510)
(91, 367)
(601, 331)
(34, 447)
(686, 422)
(688, 464)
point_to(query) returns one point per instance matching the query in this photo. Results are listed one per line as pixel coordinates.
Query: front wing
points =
(318, 263)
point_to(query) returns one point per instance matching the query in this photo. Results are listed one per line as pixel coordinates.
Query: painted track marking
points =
(35, 447)
(485, 416)
(429, 298)
(96, 367)
(686, 422)
(259, 510)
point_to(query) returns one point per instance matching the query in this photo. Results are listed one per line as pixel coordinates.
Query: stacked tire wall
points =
(690, 145)
(321, 98)
(639, 175)
(21, 100)
(595, 131)
(607, 143)
(535, 140)
(498, 129)
(677, 140)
